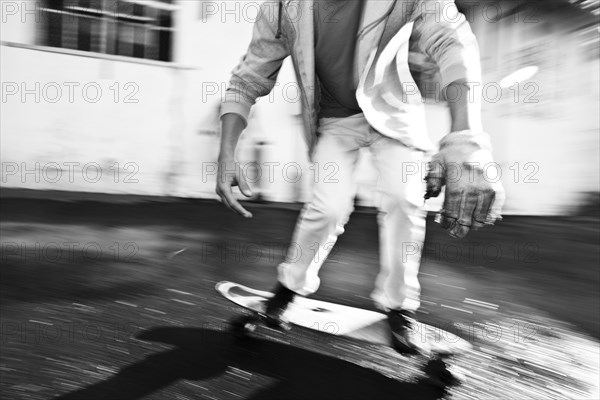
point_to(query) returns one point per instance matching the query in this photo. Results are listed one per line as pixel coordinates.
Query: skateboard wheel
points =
(243, 327)
(440, 375)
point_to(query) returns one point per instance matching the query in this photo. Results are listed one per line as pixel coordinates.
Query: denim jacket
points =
(386, 91)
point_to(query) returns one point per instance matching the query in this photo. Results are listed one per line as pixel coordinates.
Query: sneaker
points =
(277, 305)
(404, 331)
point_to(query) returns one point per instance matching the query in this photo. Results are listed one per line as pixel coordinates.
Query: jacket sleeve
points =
(256, 74)
(443, 33)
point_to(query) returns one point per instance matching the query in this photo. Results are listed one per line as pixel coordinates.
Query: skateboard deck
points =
(340, 320)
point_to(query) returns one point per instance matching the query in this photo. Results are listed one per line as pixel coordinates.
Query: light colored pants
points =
(401, 216)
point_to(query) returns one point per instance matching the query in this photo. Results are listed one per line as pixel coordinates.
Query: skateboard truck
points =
(350, 322)
(242, 327)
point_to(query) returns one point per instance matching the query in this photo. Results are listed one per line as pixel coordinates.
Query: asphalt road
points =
(107, 300)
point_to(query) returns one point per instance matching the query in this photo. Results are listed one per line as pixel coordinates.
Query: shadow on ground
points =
(201, 354)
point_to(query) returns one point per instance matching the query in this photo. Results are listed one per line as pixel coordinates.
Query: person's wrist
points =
(226, 156)
(467, 136)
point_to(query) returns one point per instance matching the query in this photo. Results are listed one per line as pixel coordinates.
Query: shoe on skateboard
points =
(398, 330)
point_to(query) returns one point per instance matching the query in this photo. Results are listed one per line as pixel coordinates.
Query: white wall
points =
(171, 134)
(214, 40)
(168, 139)
(99, 128)
(19, 21)
(547, 143)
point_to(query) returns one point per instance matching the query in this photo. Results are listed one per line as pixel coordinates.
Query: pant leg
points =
(401, 223)
(323, 218)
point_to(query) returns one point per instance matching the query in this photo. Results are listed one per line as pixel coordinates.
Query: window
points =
(131, 28)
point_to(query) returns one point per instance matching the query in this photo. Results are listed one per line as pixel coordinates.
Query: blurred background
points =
(135, 86)
(112, 238)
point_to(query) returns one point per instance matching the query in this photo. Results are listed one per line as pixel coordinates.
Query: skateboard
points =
(350, 322)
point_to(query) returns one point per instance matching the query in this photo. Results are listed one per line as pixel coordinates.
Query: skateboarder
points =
(351, 62)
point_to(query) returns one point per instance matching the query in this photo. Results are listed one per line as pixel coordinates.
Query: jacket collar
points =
(300, 15)
(371, 31)
(373, 11)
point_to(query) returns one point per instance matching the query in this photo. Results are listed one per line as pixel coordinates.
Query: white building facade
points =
(122, 97)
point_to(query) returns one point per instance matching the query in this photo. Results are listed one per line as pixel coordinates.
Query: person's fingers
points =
(459, 231)
(452, 203)
(221, 194)
(224, 201)
(237, 207)
(495, 212)
(243, 185)
(434, 179)
(446, 222)
(468, 204)
(477, 225)
(457, 214)
(231, 202)
(434, 187)
(452, 226)
(484, 203)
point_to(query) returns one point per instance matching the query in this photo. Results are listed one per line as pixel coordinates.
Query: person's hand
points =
(474, 195)
(229, 174)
